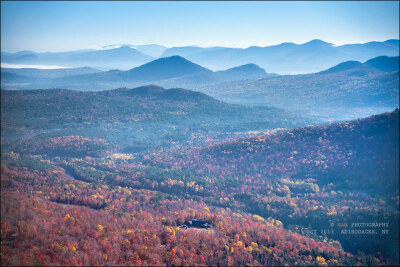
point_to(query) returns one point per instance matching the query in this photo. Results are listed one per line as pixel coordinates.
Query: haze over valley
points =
(349, 90)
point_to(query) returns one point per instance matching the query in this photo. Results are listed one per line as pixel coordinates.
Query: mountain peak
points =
(173, 58)
(250, 66)
(243, 72)
(173, 61)
(392, 41)
(344, 66)
(381, 63)
(147, 90)
(384, 63)
(125, 47)
(318, 42)
(173, 94)
(166, 68)
(180, 94)
(245, 67)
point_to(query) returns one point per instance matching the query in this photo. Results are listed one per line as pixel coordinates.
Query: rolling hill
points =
(146, 116)
(147, 103)
(11, 78)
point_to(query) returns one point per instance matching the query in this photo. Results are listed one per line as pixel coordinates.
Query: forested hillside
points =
(135, 119)
(283, 198)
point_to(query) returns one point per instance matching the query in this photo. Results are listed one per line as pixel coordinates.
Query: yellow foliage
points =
(278, 223)
(100, 227)
(171, 230)
(249, 249)
(321, 261)
(258, 218)
(332, 211)
(59, 246)
(267, 250)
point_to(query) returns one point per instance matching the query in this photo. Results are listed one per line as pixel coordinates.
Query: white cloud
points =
(21, 66)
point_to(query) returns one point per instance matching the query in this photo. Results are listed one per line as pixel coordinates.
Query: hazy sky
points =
(63, 26)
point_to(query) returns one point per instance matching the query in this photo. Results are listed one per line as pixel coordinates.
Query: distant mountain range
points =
(49, 73)
(348, 90)
(123, 57)
(383, 63)
(285, 58)
(153, 50)
(345, 91)
(173, 71)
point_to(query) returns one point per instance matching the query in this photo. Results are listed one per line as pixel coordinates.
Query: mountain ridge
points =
(381, 63)
(309, 57)
(174, 70)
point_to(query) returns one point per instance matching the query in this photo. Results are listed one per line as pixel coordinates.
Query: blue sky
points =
(64, 26)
